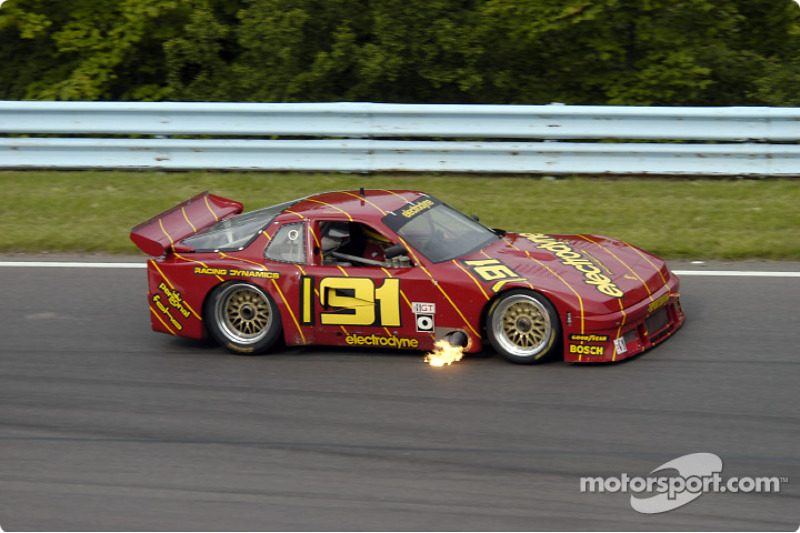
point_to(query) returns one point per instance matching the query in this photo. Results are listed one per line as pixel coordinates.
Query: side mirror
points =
(395, 250)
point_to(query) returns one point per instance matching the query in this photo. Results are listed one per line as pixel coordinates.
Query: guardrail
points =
(368, 137)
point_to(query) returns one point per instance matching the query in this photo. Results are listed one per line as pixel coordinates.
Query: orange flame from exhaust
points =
(444, 354)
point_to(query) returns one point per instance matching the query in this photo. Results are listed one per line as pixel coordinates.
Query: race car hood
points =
(159, 234)
(602, 271)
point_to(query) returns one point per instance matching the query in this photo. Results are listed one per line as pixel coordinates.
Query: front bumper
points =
(629, 332)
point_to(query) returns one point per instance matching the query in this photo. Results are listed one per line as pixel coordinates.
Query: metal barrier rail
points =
(333, 137)
(404, 156)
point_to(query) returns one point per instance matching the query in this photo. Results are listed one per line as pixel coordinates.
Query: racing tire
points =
(523, 327)
(243, 318)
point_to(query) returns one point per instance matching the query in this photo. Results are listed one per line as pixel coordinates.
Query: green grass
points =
(675, 218)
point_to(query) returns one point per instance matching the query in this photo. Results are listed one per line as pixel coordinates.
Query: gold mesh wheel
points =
(243, 314)
(525, 324)
(521, 326)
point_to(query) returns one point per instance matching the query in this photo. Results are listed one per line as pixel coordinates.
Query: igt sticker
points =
(421, 307)
(423, 316)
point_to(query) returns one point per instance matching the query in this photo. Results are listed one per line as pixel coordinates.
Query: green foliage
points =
(657, 52)
(87, 49)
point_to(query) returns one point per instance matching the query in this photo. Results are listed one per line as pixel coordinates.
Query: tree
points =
(198, 61)
(611, 51)
(661, 52)
(89, 49)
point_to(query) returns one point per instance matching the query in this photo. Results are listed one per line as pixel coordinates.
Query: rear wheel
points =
(243, 318)
(523, 326)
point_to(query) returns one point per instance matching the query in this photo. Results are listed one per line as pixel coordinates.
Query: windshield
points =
(234, 233)
(438, 231)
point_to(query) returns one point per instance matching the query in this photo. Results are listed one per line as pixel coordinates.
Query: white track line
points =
(77, 264)
(65, 264)
(737, 273)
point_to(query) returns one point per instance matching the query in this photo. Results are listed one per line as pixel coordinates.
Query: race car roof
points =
(374, 203)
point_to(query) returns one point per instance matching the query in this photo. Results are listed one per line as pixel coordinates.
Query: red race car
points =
(399, 269)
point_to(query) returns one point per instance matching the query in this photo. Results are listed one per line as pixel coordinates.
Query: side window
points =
(353, 243)
(288, 244)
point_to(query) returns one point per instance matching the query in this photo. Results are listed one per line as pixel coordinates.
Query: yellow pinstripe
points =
(487, 256)
(165, 232)
(570, 287)
(155, 265)
(171, 286)
(619, 329)
(213, 214)
(275, 283)
(406, 200)
(663, 279)
(179, 256)
(289, 308)
(623, 263)
(296, 214)
(367, 201)
(186, 217)
(436, 284)
(401, 290)
(332, 207)
(162, 321)
(475, 281)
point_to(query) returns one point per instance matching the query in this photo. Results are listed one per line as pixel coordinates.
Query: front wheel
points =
(523, 326)
(243, 318)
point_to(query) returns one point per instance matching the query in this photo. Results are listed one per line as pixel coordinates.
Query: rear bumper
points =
(629, 332)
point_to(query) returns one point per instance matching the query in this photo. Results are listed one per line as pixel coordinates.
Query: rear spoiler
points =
(159, 235)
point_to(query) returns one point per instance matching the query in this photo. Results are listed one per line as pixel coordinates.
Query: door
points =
(353, 295)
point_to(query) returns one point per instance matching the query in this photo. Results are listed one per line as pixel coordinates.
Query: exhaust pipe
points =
(457, 338)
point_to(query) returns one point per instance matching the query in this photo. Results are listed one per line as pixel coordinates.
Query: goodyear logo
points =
(416, 209)
(592, 275)
(588, 338)
(381, 341)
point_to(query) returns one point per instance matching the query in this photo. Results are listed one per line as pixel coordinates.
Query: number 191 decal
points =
(351, 302)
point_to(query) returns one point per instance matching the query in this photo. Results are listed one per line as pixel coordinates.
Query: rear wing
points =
(159, 235)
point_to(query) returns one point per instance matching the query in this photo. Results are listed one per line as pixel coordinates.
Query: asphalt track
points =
(105, 425)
